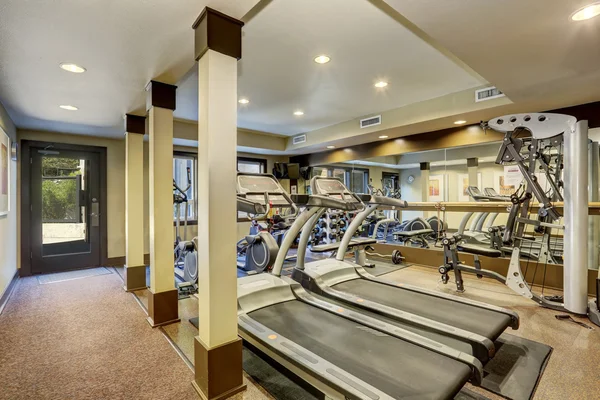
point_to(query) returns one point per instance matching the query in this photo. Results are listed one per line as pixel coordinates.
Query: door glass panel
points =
(358, 182)
(64, 209)
(340, 174)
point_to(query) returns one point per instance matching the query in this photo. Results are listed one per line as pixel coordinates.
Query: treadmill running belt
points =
(477, 320)
(396, 367)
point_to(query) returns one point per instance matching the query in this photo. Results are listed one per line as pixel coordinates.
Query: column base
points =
(163, 308)
(135, 278)
(218, 370)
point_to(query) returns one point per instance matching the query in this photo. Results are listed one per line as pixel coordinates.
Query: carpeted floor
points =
(85, 339)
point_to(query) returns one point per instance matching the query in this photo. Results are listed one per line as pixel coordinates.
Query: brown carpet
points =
(85, 339)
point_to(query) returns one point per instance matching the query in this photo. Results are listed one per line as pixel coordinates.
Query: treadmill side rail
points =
(340, 380)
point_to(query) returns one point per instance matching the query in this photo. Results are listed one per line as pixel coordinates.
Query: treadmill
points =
(464, 324)
(339, 351)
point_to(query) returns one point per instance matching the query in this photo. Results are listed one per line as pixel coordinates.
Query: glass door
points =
(65, 210)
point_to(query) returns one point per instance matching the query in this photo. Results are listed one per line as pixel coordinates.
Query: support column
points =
(217, 348)
(472, 167)
(425, 167)
(162, 300)
(575, 253)
(135, 269)
(593, 225)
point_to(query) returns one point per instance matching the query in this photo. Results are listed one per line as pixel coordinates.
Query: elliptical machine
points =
(184, 252)
(258, 250)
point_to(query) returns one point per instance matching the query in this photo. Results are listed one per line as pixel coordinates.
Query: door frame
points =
(25, 203)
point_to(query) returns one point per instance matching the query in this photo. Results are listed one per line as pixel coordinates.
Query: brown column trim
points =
(135, 124)
(218, 371)
(134, 278)
(161, 95)
(216, 31)
(163, 308)
(424, 166)
(472, 162)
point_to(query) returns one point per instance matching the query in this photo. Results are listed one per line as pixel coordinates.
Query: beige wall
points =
(8, 223)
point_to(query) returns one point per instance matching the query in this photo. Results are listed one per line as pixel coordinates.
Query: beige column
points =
(162, 299)
(472, 167)
(425, 167)
(135, 269)
(217, 348)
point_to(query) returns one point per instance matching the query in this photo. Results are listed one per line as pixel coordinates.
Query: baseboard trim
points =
(120, 261)
(9, 291)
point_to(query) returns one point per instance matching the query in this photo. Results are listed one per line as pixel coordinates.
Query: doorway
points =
(64, 207)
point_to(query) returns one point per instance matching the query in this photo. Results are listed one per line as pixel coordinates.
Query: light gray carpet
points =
(85, 339)
(70, 275)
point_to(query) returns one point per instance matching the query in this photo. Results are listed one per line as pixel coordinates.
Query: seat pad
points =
(479, 250)
(418, 232)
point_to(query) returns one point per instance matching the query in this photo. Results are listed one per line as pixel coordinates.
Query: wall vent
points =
(371, 121)
(488, 94)
(299, 139)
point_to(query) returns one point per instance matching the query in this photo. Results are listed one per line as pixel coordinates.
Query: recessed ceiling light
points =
(243, 101)
(322, 59)
(381, 84)
(72, 68)
(331, 147)
(587, 12)
(460, 122)
(70, 108)
(298, 113)
(383, 137)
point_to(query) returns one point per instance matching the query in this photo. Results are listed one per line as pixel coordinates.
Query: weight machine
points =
(526, 153)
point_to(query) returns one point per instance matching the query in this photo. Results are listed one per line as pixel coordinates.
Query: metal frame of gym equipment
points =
(575, 135)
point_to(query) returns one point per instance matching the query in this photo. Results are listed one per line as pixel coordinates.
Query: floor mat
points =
(70, 275)
(466, 394)
(517, 367)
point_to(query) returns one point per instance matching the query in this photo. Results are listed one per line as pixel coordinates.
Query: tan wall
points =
(8, 223)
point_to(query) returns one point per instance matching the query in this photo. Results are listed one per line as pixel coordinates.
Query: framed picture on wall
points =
(463, 184)
(502, 186)
(436, 188)
(4, 173)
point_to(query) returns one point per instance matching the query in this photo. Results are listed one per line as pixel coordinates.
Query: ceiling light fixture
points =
(69, 108)
(587, 12)
(298, 113)
(383, 137)
(381, 84)
(322, 59)
(331, 147)
(460, 122)
(243, 101)
(72, 68)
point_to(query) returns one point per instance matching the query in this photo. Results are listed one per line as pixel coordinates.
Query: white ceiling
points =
(277, 72)
(530, 49)
(123, 44)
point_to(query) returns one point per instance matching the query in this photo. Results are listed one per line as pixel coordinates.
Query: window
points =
(355, 179)
(252, 165)
(181, 163)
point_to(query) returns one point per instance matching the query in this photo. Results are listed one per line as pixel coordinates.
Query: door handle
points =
(95, 214)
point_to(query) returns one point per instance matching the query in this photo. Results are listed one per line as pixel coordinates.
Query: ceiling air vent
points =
(371, 121)
(487, 94)
(299, 139)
